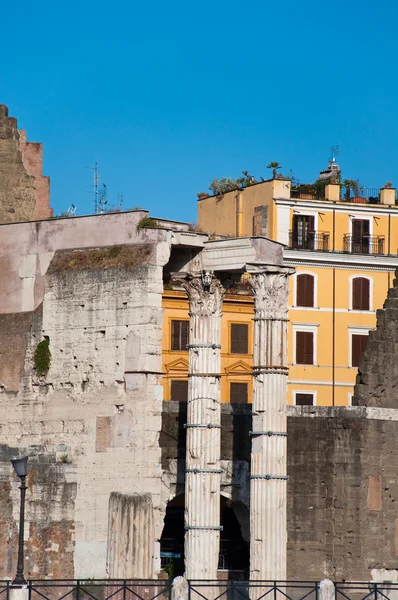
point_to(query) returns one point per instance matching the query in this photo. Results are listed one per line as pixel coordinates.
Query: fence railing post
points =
(327, 590)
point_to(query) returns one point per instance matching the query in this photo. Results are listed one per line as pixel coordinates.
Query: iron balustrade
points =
(366, 244)
(93, 589)
(234, 589)
(309, 240)
(252, 590)
(4, 590)
(365, 590)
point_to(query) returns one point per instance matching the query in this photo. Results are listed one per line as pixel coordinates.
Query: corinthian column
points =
(268, 529)
(203, 473)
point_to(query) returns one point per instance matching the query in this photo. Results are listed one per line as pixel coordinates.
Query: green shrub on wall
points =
(42, 357)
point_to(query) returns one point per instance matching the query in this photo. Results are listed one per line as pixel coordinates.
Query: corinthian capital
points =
(270, 291)
(205, 292)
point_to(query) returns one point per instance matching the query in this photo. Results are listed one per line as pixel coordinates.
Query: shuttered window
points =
(239, 338)
(179, 390)
(304, 348)
(179, 335)
(304, 399)
(358, 345)
(305, 290)
(238, 392)
(360, 293)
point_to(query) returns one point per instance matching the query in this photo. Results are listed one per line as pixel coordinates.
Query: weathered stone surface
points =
(24, 191)
(105, 435)
(333, 454)
(377, 379)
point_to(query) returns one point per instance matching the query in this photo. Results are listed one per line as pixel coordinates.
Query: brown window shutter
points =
(179, 390)
(360, 293)
(184, 334)
(304, 348)
(358, 345)
(305, 290)
(179, 335)
(304, 399)
(239, 338)
(238, 392)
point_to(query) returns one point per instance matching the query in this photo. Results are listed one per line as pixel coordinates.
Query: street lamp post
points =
(21, 468)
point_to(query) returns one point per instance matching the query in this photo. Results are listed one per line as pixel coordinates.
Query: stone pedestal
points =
(268, 528)
(203, 473)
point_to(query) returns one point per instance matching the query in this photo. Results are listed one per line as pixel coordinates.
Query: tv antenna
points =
(102, 200)
(95, 186)
(335, 151)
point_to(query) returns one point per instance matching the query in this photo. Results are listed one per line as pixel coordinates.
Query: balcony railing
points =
(367, 244)
(310, 240)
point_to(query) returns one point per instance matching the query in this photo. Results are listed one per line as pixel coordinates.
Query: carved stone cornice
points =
(205, 297)
(270, 291)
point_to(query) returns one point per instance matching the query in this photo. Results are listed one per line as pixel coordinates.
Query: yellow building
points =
(344, 252)
(236, 347)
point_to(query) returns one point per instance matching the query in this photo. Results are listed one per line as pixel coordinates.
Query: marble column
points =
(268, 527)
(203, 473)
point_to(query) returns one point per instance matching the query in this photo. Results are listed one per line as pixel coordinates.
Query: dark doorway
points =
(172, 540)
(234, 550)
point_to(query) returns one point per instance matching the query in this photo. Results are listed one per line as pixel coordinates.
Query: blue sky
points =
(167, 95)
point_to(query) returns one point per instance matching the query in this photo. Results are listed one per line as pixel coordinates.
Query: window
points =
(358, 345)
(179, 390)
(360, 236)
(360, 293)
(179, 335)
(304, 348)
(304, 399)
(238, 392)
(305, 290)
(303, 234)
(239, 338)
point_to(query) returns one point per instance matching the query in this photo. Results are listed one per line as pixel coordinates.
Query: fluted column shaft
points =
(203, 473)
(268, 527)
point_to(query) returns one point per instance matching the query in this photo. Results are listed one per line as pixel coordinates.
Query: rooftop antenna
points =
(120, 201)
(72, 211)
(335, 151)
(95, 186)
(102, 200)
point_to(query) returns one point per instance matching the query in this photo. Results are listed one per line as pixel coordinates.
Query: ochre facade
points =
(343, 246)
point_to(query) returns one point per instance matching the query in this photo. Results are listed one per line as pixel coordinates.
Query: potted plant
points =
(274, 165)
(354, 191)
(202, 195)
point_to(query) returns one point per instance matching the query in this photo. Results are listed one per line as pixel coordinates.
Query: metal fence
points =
(200, 590)
(100, 590)
(253, 590)
(366, 591)
(4, 590)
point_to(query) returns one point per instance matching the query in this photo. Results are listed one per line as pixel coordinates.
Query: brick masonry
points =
(342, 488)
(377, 379)
(24, 191)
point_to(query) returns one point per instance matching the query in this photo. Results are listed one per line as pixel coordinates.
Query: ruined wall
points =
(342, 492)
(24, 191)
(51, 495)
(377, 379)
(342, 488)
(91, 425)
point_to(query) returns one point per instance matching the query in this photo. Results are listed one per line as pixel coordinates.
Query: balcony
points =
(366, 244)
(310, 240)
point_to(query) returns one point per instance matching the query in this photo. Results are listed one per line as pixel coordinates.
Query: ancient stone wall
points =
(24, 191)
(342, 488)
(91, 425)
(377, 379)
